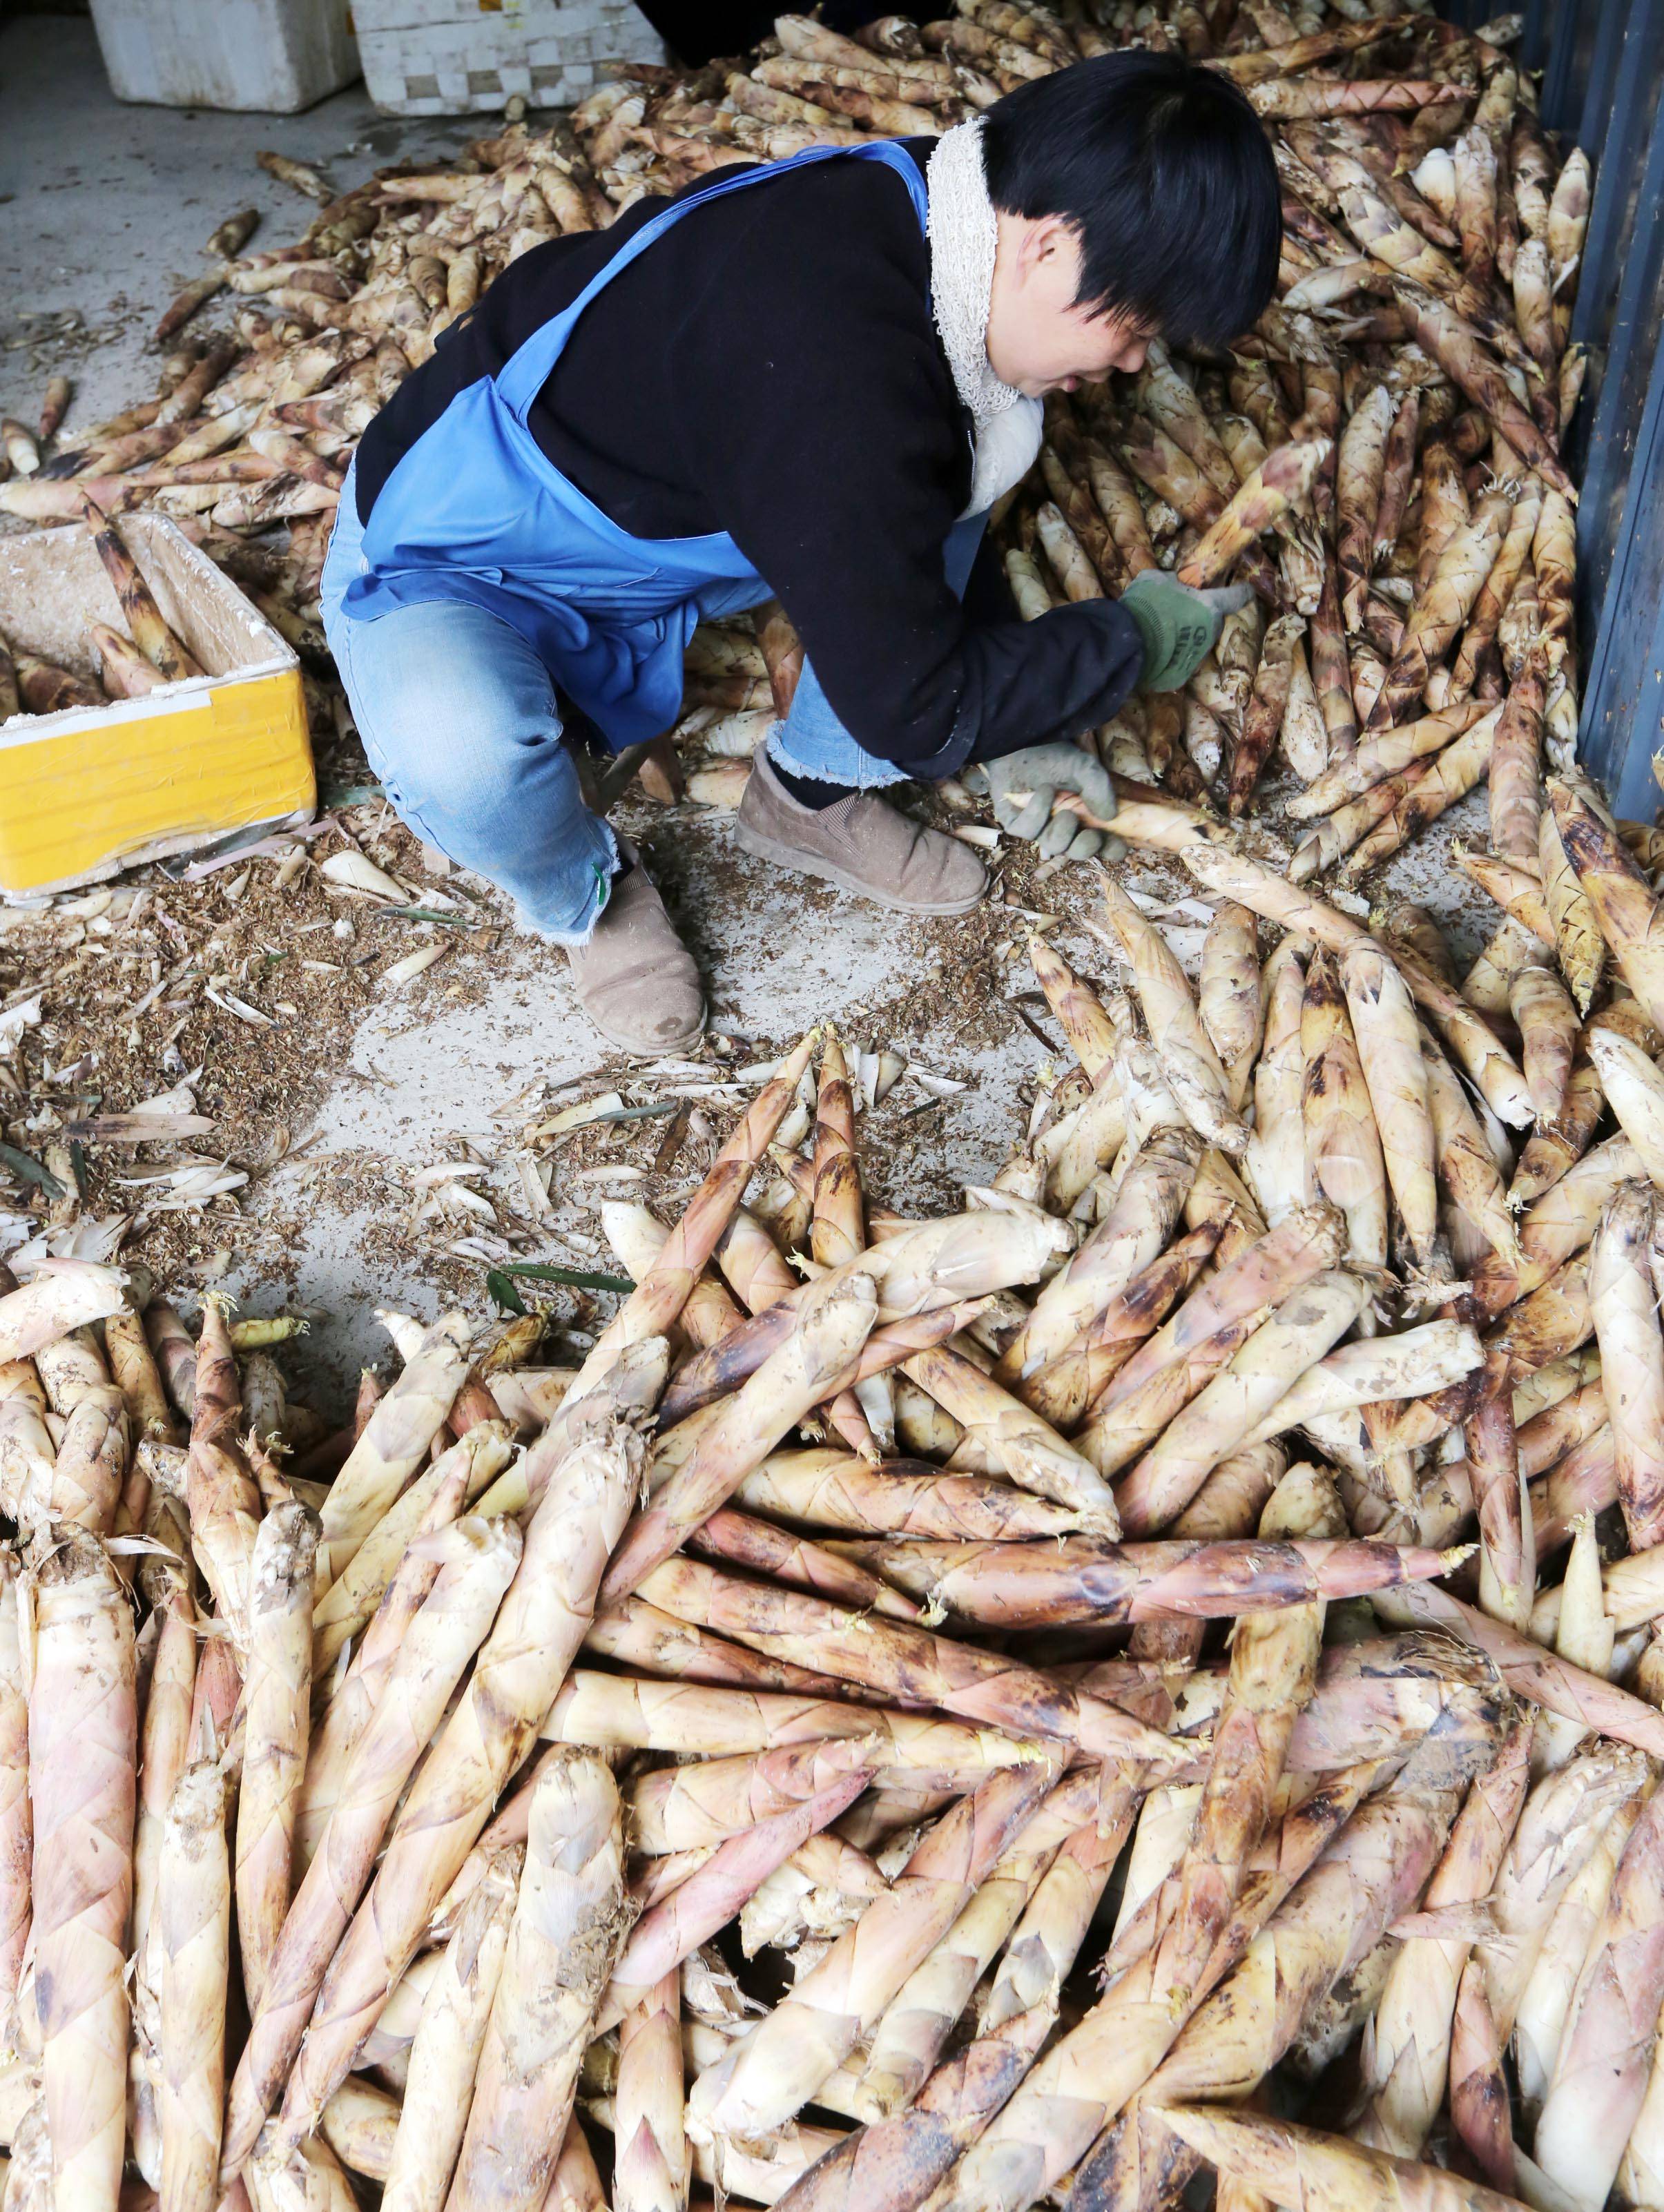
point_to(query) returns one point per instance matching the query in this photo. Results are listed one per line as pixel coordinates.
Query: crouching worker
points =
(810, 379)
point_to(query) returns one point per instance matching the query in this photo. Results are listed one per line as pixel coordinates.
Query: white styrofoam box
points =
(274, 56)
(451, 56)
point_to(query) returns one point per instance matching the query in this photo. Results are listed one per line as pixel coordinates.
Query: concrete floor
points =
(103, 213)
(104, 208)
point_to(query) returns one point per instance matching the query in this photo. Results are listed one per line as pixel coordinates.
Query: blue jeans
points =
(812, 741)
(460, 722)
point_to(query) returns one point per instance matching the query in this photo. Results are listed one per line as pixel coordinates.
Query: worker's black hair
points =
(1167, 175)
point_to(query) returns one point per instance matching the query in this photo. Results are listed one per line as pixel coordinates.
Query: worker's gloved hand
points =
(1023, 787)
(1180, 628)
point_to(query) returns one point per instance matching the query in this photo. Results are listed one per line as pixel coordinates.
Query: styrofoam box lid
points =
(267, 56)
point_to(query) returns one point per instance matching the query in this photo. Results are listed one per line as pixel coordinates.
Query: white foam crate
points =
(451, 56)
(271, 56)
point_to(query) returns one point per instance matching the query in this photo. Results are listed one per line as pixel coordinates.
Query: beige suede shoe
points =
(636, 979)
(861, 845)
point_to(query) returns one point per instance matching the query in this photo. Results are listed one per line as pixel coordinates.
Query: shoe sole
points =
(810, 864)
(636, 1048)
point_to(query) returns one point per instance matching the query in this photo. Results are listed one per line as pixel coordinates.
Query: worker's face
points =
(1039, 340)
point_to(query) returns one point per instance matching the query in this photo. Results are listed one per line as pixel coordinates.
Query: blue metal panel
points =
(1613, 286)
(1602, 67)
(1622, 213)
(1570, 52)
(1623, 703)
(1534, 38)
(1620, 533)
(1606, 85)
(1620, 291)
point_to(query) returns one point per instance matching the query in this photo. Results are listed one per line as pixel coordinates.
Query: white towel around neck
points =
(964, 233)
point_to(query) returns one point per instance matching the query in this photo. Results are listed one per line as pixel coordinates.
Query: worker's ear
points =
(1046, 237)
(1049, 251)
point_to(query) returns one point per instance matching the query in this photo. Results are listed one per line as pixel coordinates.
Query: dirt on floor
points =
(375, 1140)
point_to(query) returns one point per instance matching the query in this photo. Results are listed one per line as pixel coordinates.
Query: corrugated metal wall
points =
(1602, 64)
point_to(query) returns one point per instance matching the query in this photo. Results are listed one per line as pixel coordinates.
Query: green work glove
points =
(1180, 628)
(1023, 787)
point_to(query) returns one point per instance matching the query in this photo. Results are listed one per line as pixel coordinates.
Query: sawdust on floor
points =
(336, 1157)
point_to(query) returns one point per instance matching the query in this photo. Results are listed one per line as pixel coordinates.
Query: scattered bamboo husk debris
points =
(571, 1710)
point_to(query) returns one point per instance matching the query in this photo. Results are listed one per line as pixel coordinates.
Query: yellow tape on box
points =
(89, 790)
(153, 774)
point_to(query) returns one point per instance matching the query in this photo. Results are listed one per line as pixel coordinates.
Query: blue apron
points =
(475, 510)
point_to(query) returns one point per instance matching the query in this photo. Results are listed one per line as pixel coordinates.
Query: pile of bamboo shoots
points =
(131, 662)
(788, 1756)
(1379, 456)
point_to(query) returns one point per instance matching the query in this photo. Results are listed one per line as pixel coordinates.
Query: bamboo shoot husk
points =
(194, 1929)
(84, 1754)
(444, 2053)
(570, 1917)
(478, 1561)
(578, 1518)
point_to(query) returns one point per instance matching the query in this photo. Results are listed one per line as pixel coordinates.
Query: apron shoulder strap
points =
(525, 374)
